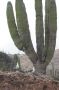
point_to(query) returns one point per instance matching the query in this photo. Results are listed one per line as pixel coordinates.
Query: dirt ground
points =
(20, 81)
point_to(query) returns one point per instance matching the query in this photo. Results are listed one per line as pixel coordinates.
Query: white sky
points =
(6, 43)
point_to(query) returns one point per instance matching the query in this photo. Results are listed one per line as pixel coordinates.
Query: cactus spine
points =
(21, 35)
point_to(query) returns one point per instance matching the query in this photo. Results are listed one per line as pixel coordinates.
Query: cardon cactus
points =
(19, 31)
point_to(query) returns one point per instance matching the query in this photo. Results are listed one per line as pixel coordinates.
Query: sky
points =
(6, 42)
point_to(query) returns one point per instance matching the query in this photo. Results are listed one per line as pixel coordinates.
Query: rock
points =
(53, 68)
(25, 63)
(49, 70)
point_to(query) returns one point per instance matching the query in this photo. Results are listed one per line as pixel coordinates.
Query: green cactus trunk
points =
(50, 29)
(21, 34)
(39, 29)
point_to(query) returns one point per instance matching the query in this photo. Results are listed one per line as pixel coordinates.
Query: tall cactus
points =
(21, 35)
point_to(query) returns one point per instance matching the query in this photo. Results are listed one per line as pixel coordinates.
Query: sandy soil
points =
(20, 81)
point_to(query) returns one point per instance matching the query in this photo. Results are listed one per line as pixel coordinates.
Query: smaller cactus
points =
(17, 61)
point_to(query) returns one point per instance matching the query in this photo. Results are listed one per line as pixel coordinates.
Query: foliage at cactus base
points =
(21, 34)
(7, 63)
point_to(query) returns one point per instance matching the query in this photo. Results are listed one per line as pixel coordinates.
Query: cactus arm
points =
(22, 24)
(50, 28)
(12, 25)
(39, 29)
(23, 28)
